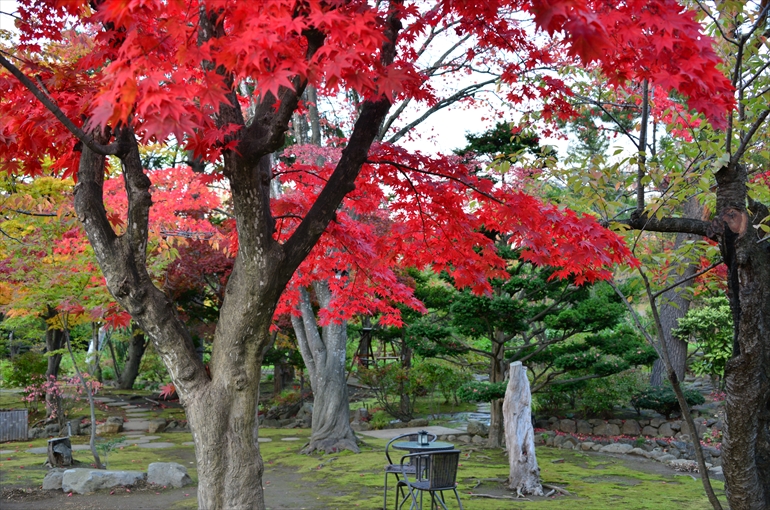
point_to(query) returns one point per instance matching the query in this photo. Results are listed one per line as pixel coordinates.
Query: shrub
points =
(396, 389)
(379, 420)
(662, 400)
(482, 391)
(446, 379)
(25, 369)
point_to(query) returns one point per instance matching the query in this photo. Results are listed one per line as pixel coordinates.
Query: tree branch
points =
(41, 96)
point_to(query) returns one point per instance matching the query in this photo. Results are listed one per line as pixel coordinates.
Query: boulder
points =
(586, 446)
(617, 448)
(478, 428)
(665, 458)
(583, 427)
(418, 422)
(465, 438)
(107, 428)
(631, 428)
(665, 430)
(649, 431)
(83, 481)
(478, 440)
(638, 451)
(156, 425)
(53, 478)
(567, 426)
(657, 422)
(168, 474)
(52, 429)
(36, 433)
(569, 443)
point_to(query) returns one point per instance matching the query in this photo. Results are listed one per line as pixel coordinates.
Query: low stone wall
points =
(654, 427)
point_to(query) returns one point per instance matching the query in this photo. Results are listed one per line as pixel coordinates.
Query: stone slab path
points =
(391, 433)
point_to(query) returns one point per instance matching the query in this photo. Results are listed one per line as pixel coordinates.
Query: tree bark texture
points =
(496, 374)
(221, 404)
(324, 356)
(524, 477)
(54, 340)
(136, 346)
(674, 304)
(746, 445)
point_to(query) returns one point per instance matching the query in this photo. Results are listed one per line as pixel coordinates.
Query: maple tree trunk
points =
(54, 340)
(324, 356)
(674, 304)
(746, 444)
(136, 346)
(496, 374)
(524, 473)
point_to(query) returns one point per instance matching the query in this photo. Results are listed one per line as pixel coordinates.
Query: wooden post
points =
(524, 475)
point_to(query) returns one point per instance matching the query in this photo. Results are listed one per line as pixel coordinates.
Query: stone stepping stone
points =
(188, 443)
(156, 445)
(136, 425)
(104, 399)
(289, 439)
(5, 452)
(116, 404)
(264, 440)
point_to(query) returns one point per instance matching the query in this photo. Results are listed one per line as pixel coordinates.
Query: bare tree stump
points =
(524, 475)
(59, 452)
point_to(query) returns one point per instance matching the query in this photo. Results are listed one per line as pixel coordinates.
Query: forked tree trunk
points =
(136, 346)
(524, 477)
(324, 356)
(746, 445)
(496, 374)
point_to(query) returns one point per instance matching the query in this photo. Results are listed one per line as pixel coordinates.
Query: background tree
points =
(160, 69)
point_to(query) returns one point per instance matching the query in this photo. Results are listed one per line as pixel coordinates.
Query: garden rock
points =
(586, 446)
(464, 438)
(36, 433)
(74, 427)
(666, 457)
(418, 422)
(52, 430)
(83, 481)
(107, 428)
(567, 426)
(168, 474)
(583, 427)
(638, 451)
(53, 478)
(617, 448)
(477, 428)
(478, 440)
(665, 430)
(157, 425)
(649, 431)
(631, 428)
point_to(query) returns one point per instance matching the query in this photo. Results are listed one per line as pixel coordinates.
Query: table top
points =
(414, 446)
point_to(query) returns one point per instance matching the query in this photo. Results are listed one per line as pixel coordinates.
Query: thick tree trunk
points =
(746, 445)
(496, 374)
(674, 304)
(136, 346)
(324, 356)
(524, 477)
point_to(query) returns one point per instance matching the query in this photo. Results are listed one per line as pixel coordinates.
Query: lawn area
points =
(347, 480)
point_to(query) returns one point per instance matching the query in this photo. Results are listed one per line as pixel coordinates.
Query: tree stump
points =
(524, 475)
(59, 452)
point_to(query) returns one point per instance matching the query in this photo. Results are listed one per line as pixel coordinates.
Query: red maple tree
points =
(117, 74)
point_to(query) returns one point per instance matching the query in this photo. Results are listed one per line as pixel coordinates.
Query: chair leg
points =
(385, 494)
(457, 495)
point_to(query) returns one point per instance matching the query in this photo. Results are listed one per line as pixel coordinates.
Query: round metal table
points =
(415, 447)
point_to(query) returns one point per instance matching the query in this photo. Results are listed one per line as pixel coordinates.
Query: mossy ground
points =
(346, 480)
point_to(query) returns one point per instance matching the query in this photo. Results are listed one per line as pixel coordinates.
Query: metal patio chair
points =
(433, 472)
(395, 469)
